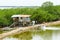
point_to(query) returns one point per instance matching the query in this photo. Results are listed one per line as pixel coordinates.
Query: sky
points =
(26, 2)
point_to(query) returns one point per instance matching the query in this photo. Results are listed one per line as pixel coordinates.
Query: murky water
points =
(36, 35)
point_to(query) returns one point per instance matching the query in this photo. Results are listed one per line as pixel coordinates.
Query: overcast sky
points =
(26, 2)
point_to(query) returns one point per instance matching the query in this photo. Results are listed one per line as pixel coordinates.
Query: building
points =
(23, 20)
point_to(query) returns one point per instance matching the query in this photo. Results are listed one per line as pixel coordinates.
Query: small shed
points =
(22, 19)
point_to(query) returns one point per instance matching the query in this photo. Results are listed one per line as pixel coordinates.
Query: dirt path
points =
(16, 31)
(24, 29)
(52, 23)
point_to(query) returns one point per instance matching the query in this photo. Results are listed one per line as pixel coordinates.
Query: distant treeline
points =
(45, 13)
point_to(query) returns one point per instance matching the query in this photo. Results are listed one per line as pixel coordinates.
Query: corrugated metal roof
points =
(20, 16)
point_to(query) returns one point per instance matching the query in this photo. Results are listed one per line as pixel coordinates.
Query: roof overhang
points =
(20, 16)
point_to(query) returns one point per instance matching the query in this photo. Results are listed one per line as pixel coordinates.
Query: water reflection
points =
(56, 35)
(38, 35)
(7, 38)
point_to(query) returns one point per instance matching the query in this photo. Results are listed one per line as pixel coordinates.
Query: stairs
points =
(13, 24)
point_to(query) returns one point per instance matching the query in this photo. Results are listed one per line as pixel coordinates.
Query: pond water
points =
(36, 35)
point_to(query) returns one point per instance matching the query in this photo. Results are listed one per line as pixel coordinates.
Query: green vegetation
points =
(46, 13)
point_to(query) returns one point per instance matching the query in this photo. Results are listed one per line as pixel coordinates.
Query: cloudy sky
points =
(26, 2)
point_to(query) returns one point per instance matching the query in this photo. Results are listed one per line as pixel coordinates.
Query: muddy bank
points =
(55, 23)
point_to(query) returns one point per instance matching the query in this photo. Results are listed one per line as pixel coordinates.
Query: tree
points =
(47, 4)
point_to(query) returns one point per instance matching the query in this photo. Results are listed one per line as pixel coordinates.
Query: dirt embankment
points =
(55, 23)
